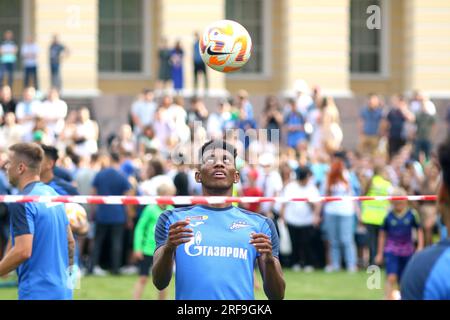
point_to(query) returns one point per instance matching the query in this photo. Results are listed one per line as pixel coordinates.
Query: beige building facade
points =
(114, 44)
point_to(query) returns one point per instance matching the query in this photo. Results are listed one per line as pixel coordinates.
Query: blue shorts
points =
(395, 264)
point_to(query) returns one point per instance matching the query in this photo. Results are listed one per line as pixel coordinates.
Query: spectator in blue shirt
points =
(395, 121)
(369, 125)
(110, 220)
(427, 274)
(294, 123)
(8, 57)
(56, 52)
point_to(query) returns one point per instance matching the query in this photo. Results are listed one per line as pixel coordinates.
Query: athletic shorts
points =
(395, 264)
(145, 265)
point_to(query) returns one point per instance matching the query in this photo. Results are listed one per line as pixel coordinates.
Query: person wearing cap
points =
(301, 219)
(270, 182)
(252, 190)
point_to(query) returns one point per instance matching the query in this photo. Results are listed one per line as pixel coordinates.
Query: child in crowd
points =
(397, 241)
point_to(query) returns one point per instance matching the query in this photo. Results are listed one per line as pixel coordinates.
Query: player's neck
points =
(47, 177)
(217, 193)
(27, 180)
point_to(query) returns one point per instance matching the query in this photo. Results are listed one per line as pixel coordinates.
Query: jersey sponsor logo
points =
(239, 225)
(201, 218)
(194, 248)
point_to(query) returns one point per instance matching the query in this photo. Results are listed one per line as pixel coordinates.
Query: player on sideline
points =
(427, 275)
(42, 243)
(215, 247)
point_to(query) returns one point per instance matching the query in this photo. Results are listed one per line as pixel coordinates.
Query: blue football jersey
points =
(218, 262)
(45, 274)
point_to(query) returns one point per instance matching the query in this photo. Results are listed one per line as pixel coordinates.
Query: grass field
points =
(299, 286)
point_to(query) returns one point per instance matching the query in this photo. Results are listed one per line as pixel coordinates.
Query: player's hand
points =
(138, 256)
(379, 259)
(179, 234)
(263, 245)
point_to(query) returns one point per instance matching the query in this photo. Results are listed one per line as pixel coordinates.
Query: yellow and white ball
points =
(76, 214)
(225, 46)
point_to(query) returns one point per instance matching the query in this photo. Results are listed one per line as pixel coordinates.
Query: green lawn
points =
(316, 285)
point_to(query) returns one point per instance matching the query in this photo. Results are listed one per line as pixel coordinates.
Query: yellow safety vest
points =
(373, 212)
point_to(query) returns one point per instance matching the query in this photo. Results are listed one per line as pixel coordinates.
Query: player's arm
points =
(81, 229)
(8, 246)
(71, 245)
(164, 255)
(272, 274)
(23, 247)
(269, 265)
(22, 222)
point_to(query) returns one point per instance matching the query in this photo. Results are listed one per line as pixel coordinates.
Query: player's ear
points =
(198, 177)
(237, 177)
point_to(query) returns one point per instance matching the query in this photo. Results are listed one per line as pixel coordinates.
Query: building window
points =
(366, 45)
(11, 19)
(250, 13)
(121, 41)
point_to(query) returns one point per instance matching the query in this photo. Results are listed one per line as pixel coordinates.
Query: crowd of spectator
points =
(303, 158)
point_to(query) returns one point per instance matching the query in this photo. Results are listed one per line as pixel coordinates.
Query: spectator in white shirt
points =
(178, 116)
(301, 219)
(54, 111)
(86, 134)
(143, 111)
(269, 180)
(30, 52)
(11, 132)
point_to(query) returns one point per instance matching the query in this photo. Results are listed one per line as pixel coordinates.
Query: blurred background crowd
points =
(299, 154)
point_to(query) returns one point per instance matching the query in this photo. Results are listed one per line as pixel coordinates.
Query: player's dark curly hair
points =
(444, 161)
(217, 144)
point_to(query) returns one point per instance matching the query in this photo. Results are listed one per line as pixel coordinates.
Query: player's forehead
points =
(217, 152)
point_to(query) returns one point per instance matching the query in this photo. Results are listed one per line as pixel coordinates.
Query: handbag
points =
(285, 239)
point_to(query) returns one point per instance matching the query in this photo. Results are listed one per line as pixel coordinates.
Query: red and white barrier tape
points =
(187, 200)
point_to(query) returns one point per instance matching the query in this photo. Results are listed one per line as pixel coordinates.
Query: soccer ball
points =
(76, 214)
(225, 46)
